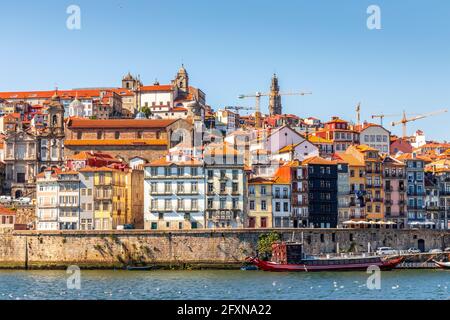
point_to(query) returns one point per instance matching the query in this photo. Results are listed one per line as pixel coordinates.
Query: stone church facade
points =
(29, 151)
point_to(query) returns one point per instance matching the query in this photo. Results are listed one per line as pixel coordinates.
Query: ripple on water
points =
(405, 284)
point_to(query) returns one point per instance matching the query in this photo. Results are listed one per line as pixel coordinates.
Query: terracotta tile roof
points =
(163, 162)
(85, 155)
(316, 139)
(283, 175)
(289, 148)
(167, 87)
(220, 149)
(337, 120)
(260, 180)
(112, 142)
(80, 123)
(409, 156)
(364, 148)
(64, 94)
(318, 160)
(99, 169)
(6, 212)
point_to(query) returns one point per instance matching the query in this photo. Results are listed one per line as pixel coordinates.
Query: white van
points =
(386, 251)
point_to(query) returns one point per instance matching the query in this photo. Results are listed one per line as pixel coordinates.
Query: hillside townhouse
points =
(340, 133)
(375, 136)
(57, 194)
(439, 171)
(415, 174)
(260, 210)
(373, 180)
(110, 197)
(7, 219)
(86, 199)
(322, 191)
(299, 199)
(174, 193)
(434, 211)
(343, 191)
(281, 197)
(357, 188)
(394, 181)
(226, 182)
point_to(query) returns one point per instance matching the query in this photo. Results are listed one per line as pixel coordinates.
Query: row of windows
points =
(179, 171)
(375, 138)
(181, 204)
(117, 135)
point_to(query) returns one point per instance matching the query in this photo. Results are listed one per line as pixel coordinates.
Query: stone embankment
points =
(189, 249)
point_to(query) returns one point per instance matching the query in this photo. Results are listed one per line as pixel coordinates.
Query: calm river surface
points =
(185, 285)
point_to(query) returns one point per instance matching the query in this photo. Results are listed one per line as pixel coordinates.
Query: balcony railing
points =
(160, 193)
(416, 193)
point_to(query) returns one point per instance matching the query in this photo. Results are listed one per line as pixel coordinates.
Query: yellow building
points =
(357, 182)
(260, 203)
(373, 179)
(110, 197)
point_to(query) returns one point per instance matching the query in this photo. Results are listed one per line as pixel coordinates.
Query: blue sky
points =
(233, 47)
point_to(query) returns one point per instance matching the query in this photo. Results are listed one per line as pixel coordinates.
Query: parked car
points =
(128, 226)
(5, 199)
(447, 249)
(23, 200)
(386, 251)
(414, 250)
(435, 251)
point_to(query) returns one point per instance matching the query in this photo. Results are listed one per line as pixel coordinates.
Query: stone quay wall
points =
(189, 249)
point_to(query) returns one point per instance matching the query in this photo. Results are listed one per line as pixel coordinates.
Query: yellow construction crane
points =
(258, 96)
(405, 120)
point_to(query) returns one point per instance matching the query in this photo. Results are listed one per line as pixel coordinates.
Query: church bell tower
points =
(275, 97)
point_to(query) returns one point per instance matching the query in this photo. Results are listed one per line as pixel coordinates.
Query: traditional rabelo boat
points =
(290, 257)
(442, 265)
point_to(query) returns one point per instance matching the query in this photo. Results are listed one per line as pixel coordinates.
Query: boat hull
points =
(443, 265)
(277, 267)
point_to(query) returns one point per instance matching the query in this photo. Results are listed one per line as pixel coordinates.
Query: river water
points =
(213, 284)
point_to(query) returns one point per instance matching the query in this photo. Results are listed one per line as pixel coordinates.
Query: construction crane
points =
(258, 96)
(405, 120)
(382, 116)
(238, 108)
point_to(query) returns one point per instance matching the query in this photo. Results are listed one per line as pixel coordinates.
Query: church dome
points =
(141, 116)
(128, 77)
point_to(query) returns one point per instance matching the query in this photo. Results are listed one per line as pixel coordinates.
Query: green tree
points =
(265, 242)
(146, 111)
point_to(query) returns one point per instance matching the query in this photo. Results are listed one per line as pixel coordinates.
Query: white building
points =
(174, 193)
(227, 120)
(226, 187)
(375, 136)
(281, 203)
(58, 205)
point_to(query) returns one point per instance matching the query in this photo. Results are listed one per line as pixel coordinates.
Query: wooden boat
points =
(442, 265)
(142, 268)
(289, 257)
(332, 264)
